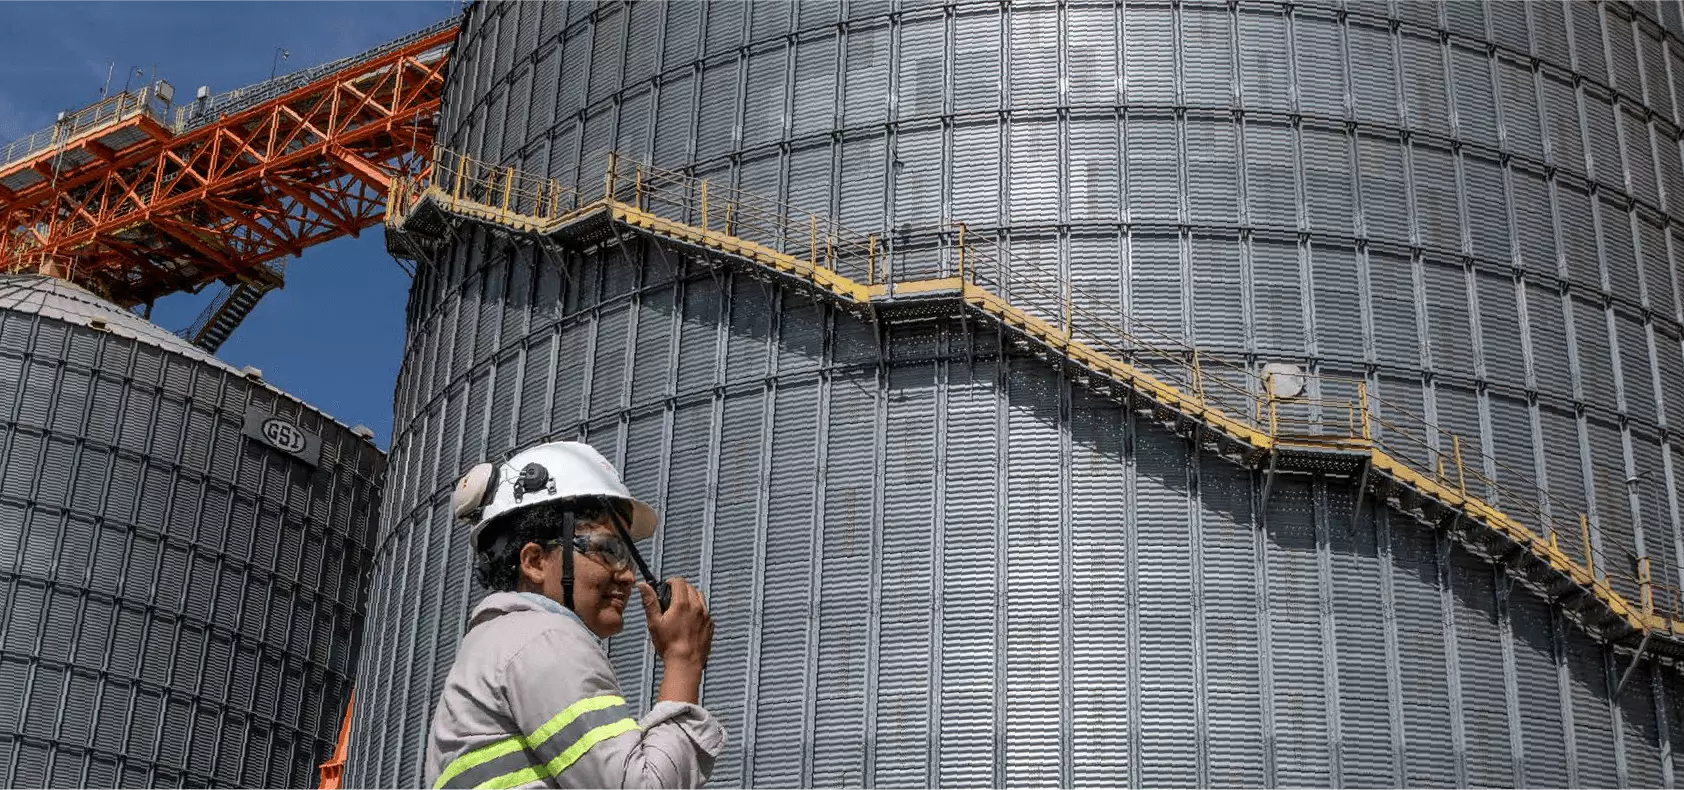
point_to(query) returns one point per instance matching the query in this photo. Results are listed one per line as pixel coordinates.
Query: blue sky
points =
(334, 336)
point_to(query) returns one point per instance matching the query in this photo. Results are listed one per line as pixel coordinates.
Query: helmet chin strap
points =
(663, 591)
(567, 560)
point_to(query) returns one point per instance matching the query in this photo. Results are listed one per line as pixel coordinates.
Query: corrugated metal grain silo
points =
(182, 549)
(935, 559)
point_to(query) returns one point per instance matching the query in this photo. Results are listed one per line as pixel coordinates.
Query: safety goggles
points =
(606, 548)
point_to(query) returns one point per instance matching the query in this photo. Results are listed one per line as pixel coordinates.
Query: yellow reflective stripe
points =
(479, 756)
(584, 744)
(563, 760)
(568, 714)
(515, 779)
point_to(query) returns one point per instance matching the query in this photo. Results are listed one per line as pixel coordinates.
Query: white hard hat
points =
(544, 473)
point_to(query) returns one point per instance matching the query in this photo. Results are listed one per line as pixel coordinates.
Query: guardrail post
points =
(704, 205)
(871, 259)
(1461, 475)
(961, 252)
(1070, 319)
(1584, 540)
(1269, 394)
(1198, 377)
(637, 187)
(1362, 407)
(456, 188)
(608, 181)
(1647, 584)
(813, 240)
(508, 189)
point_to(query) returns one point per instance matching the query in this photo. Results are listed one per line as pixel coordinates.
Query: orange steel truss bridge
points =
(136, 197)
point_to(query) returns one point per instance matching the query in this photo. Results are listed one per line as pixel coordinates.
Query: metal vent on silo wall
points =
(974, 572)
(180, 597)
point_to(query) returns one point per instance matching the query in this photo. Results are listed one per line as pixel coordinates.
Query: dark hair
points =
(498, 568)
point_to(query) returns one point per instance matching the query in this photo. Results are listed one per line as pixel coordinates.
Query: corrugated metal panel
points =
(865, 88)
(1596, 364)
(1152, 168)
(1091, 47)
(1338, 306)
(969, 643)
(1534, 229)
(1657, 90)
(1421, 639)
(1329, 204)
(1619, 252)
(1154, 281)
(607, 37)
(1034, 57)
(1446, 290)
(1033, 180)
(1500, 328)
(976, 189)
(1149, 53)
(1585, 21)
(1603, 140)
(815, 71)
(1277, 299)
(1593, 730)
(1479, 654)
(1437, 213)
(1522, 122)
(845, 593)
(763, 105)
(918, 178)
(1207, 57)
(978, 64)
(1233, 683)
(1657, 271)
(1359, 642)
(1424, 90)
(1163, 541)
(1212, 170)
(1561, 106)
(1299, 703)
(1321, 63)
(905, 633)
(861, 192)
(1217, 287)
(1475, 95)
(1488, 219)
(1271, 182)
(1373, 72)
(673, 121)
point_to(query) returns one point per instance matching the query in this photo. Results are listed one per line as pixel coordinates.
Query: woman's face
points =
(602, 586)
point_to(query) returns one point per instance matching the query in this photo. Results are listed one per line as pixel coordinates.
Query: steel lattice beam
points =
(220, 201)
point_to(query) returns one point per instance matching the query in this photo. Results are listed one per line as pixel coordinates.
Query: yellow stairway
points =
(1327, 424)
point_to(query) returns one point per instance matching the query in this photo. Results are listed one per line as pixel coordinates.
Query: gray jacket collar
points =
(500, 603)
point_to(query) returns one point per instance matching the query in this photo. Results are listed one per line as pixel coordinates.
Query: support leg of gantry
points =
(1362, 489)
(1635, 658)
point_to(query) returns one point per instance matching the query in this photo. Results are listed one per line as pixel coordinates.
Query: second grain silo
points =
(182, 553)
(934, 557)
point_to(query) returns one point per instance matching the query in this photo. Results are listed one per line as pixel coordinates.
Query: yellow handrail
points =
(1050, 307)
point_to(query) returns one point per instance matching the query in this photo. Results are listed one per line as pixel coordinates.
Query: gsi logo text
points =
(283, 434)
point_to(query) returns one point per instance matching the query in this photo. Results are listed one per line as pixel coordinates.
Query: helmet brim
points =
(644, 520)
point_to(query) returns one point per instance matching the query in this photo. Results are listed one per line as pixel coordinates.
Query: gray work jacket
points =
(532, 702)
